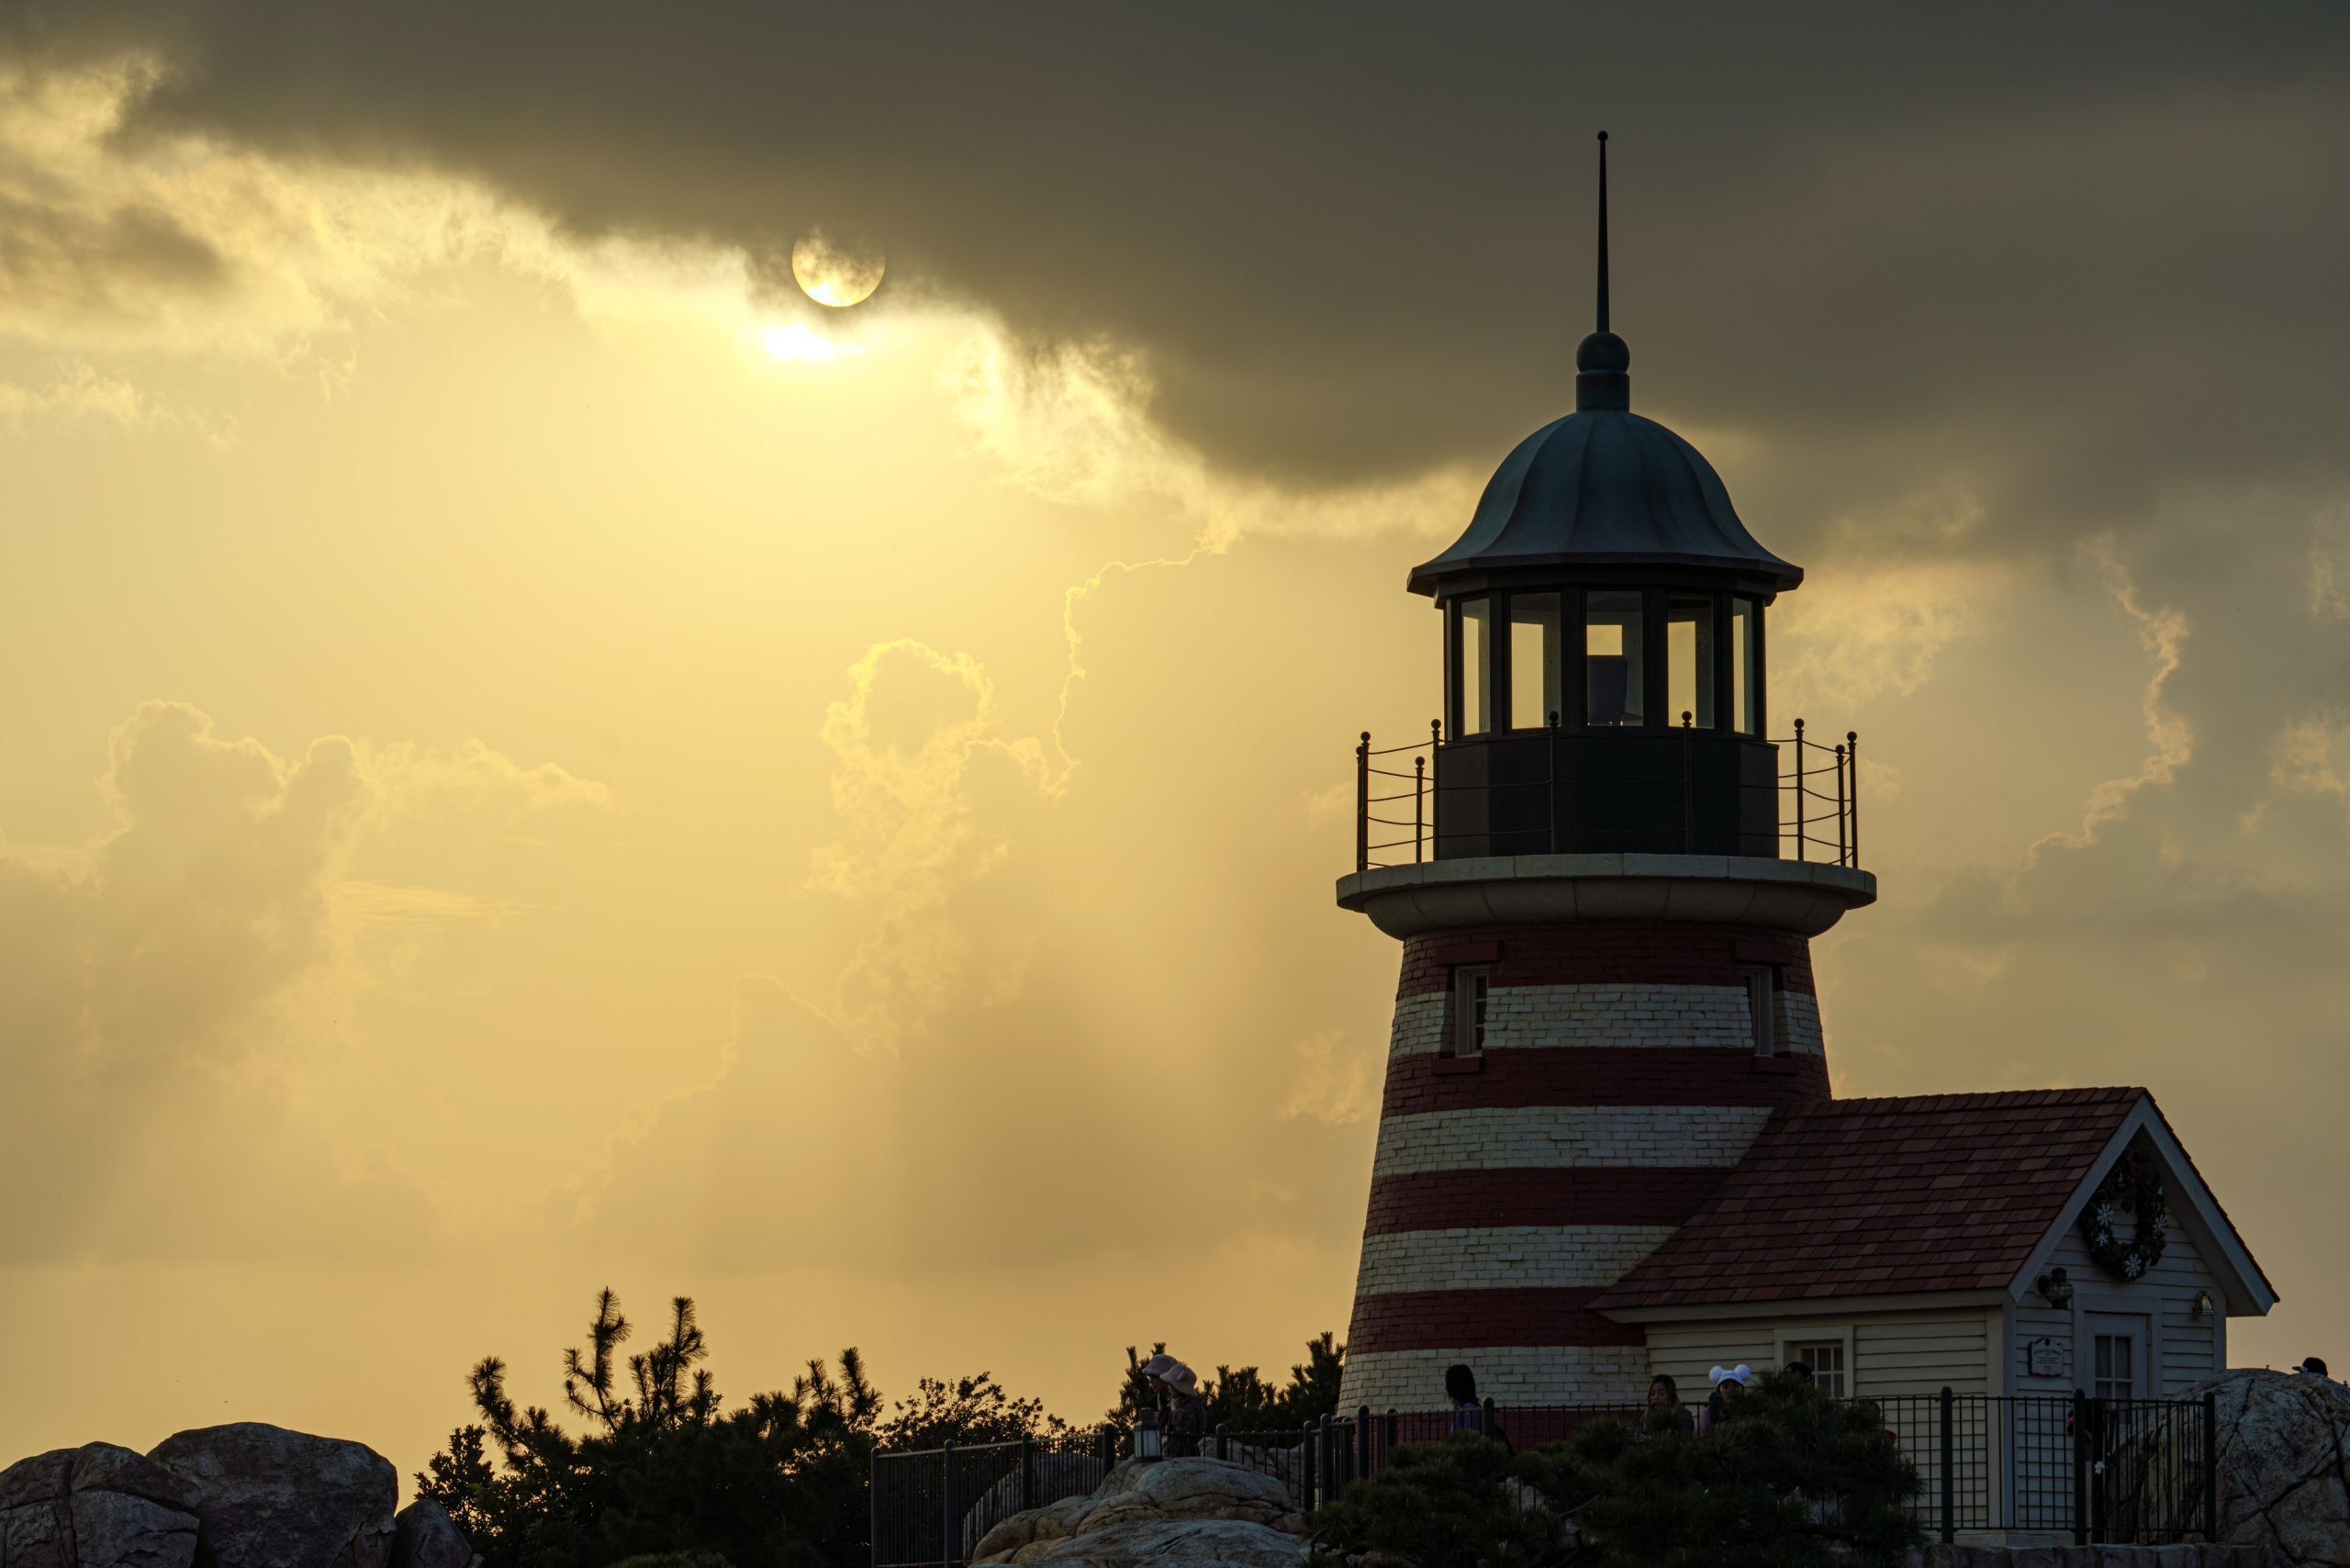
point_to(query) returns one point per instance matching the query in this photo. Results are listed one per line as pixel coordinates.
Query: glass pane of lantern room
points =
(1612, 662)
(1689, 659)
(1742, 666)
(1533, 660)
(1475, 663)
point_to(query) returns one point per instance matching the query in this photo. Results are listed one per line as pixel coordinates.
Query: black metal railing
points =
(1399, 790)
(2123, 1472)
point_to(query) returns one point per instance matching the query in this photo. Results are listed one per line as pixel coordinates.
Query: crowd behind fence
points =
(2107, 1471)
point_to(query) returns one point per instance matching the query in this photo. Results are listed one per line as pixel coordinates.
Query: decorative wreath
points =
(2136, 1185)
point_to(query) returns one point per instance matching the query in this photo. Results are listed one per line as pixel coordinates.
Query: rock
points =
(94, 1506)
(424, 1536)
(1181, 1511)
(270, 1499)
(1059, 1476)
(1179, 1541)
(2284, 1465)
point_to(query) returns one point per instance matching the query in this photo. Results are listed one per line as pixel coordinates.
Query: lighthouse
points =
(1605, 865)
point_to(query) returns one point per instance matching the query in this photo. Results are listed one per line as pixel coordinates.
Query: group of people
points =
(1182, 1407)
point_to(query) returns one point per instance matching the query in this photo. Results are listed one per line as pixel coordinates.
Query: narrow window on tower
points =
(1533, 660)
(1743, 669)
(1476, 667)
(1470, 984)
(1763, 1010)
(1689, 660)
(1612, 660)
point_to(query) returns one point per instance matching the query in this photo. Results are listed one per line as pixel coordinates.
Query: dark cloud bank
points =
(2078, 251)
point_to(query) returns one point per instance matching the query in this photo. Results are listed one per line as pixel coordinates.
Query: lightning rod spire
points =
(1603, 231)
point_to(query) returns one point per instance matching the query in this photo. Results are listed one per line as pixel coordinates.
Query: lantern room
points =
(1605, 672)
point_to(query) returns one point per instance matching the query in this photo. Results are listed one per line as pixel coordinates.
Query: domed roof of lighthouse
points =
(1604, 486)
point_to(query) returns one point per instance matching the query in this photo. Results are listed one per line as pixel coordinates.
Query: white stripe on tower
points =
(1554, 1136)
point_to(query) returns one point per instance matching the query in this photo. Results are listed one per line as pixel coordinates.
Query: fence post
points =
(1362, 1441)
(873, 1506)
(1801, 810)
(1842, 852)
(1329, 1457)
(1105, 1444)
(953, 1522)
(2210, 1467)
(1551, 787)
(2080, 1469)
(1305, 1467)
(1363, 803)
(1950, 1476)
(1852, 757)
(1027, 1473)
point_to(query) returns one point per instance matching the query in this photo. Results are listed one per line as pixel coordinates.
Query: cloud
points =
(154, 997)
(1334, 1087)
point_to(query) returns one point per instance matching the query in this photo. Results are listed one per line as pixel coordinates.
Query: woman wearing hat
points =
(1729, 1389)
(1177, 1388)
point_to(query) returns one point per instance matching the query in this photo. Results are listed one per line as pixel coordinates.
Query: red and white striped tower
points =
(1606, 876)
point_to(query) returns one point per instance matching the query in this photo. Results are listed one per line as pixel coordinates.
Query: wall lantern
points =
(2204, 1306)
(1148, 1443)
(2054, 1288)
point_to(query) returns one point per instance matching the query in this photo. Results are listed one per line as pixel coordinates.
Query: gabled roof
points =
(1917, 1195)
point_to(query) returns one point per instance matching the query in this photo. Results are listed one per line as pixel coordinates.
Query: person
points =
(1187, 1411)
(1467, 1410)
(1729, 1387)
(1665, 1412)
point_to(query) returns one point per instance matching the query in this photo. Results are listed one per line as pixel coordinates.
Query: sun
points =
(836, 271)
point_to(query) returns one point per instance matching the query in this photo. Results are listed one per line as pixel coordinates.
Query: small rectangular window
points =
(1476, 667)
(2115, 1367)
(1470, 984)
(1763, 1010)
(1533, 660)
(1742, 667)
(1613, 676)
(1689, 660)
(1826, 1360)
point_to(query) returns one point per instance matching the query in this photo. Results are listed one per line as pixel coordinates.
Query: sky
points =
(537, 755)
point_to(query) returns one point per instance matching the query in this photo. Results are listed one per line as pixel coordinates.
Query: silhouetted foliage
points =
(1796, 1480)
(662, 1471)
(1241, 1397)
(1444, 1504)
(968, 1410)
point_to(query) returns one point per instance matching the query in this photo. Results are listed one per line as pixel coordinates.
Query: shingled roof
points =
(1883, 1197)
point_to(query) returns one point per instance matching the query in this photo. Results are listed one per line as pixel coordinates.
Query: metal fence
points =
(1397, 789)
(2128, 1472)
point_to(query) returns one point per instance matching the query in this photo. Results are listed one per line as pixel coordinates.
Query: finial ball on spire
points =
(1605, 353)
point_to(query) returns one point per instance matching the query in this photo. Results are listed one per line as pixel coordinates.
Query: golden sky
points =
(538, 757)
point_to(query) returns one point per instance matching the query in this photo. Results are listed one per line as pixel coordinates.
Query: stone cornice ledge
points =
(1804, 898)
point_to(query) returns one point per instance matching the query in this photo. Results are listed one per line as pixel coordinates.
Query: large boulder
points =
(1180, 1511)
(94, 1506)
(1057, 1476)
(266, 1498)
(424, 1536)
(2284, 1465)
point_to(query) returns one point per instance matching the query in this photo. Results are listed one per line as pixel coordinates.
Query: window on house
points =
(1763, 1009)
(2115, 1367)
(1470, 984)
(1825, 1359)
